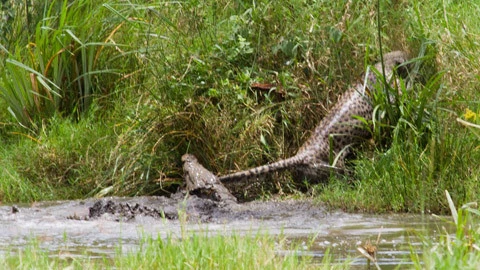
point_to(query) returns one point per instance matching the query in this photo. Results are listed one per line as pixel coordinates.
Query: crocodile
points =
(203, 183)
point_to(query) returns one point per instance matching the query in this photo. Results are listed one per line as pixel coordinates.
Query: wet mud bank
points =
(94, 227)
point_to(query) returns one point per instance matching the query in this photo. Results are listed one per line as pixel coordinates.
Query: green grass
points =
(107, 106)
(434, 143)
(61, 162)
(196, 251)
(459, 250)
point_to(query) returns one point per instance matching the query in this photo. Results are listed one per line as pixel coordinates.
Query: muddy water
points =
(68, 229)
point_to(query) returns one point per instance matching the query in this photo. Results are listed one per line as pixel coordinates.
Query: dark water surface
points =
(51, 224)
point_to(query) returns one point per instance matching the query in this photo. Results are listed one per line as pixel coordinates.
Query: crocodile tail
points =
(262, 170)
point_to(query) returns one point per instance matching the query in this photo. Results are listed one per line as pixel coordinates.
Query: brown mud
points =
(94, 227)
(196, 209)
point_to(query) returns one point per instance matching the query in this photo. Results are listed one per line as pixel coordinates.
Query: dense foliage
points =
(104, 98)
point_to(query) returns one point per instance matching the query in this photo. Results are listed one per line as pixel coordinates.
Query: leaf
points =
(452, 207)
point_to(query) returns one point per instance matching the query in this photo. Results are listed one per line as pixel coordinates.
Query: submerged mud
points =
(196, 209)
(95, 227)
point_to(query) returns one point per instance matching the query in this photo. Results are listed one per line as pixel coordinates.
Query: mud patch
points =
(95, 227)
(196, 209)
(122, 211)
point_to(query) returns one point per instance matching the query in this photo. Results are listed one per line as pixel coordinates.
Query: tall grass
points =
(429, 150)
(73, 55)
(67, 160)
(459, 250)
(153, 81)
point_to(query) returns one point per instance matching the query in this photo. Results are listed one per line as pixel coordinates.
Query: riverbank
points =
(290, 234)
(108, 109)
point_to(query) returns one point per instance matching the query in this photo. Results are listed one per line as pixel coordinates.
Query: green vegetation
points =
(203, 251)
(103, 99)
(197, 251)
(457, 251)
